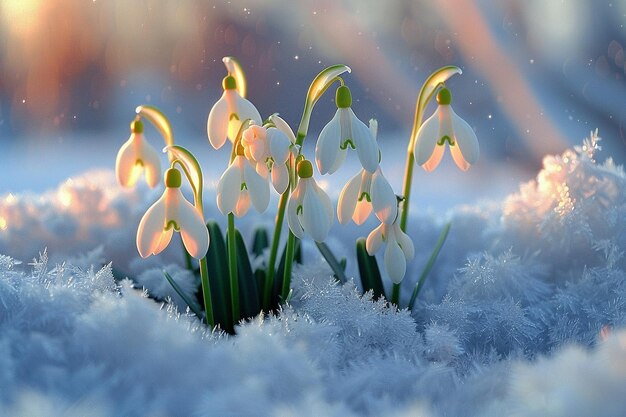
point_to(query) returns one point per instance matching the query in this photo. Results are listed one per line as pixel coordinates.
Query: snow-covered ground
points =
(521, 315)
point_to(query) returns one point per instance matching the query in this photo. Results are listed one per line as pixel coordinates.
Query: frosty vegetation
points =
(521, 316)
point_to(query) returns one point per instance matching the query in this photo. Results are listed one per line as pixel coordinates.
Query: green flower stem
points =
(291, 245)
(232, 267)
(410, 163)
(269, 282)
(395, 295)
(206, 293)
(188, 264)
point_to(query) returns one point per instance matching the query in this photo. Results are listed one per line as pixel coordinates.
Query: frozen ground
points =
(521, 316)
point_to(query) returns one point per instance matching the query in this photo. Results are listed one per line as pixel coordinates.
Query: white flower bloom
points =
(241, 185)
(309, 209)
(268, 150)
(228, 113)
(398, 251)
(283, 127)
(343, 131)
(366, 191)
(137, 155)
(172, 212)
(445, 126)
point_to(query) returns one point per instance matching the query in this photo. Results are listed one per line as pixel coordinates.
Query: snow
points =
(522, 315)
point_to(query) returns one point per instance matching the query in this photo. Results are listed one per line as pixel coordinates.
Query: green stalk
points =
(269, 282)
(395, 295)
(410, 162)
(232, 268)
(429, 264)
(291, 244)
(206, 293)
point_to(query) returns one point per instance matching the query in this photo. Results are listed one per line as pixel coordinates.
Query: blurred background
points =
(538, 75)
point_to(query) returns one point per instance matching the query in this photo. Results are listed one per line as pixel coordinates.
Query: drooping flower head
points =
(345, 131)
(366, 191)
(228, 113)
(136, 156)
(445, 126)
(268, 150)
(172, 212)
(399, 249)
(240, 185)
(309, 209)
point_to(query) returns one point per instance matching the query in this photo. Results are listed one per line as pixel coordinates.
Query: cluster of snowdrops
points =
(268, 154)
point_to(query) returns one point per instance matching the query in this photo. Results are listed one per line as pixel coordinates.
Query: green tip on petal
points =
(444, 97)
(136, 126)
(173, 179)
(229, 83)
(305, 169)
(343, 98)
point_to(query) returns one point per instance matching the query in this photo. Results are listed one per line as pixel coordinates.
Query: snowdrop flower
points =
(445, 126)
(135, 156)
(241, 184)
(228, 113)
(366, 191)
(172, 212)
(268, 150)
(309, 209)
(399, 249)
(342, 131)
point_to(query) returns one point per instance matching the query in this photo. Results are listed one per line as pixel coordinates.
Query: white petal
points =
(445, 122)
(314, 217)
(327, 145)
(283, 127)
(374, 128)
(394, 261)
(246, 110)
(362, 211)
(341, 157)
(325, 199)
(405, 242)
(466, 140)
(279, 144)
(375, 239)
(426, 139)
(229, 187)
(256, 143)
(280, 178)
(193, 230)
(164, 240)
(243, 204)
(261, 169)
(295, 201)
(384, 199)
(434, 159)
(151, 164)
(125, 169)
(217, 123)
(366, 146)
(258, 188)
(151, 228)
(348, 199)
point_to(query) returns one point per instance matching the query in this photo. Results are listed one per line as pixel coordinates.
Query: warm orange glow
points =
(65, 193)
(3, 223)
(21, 16)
